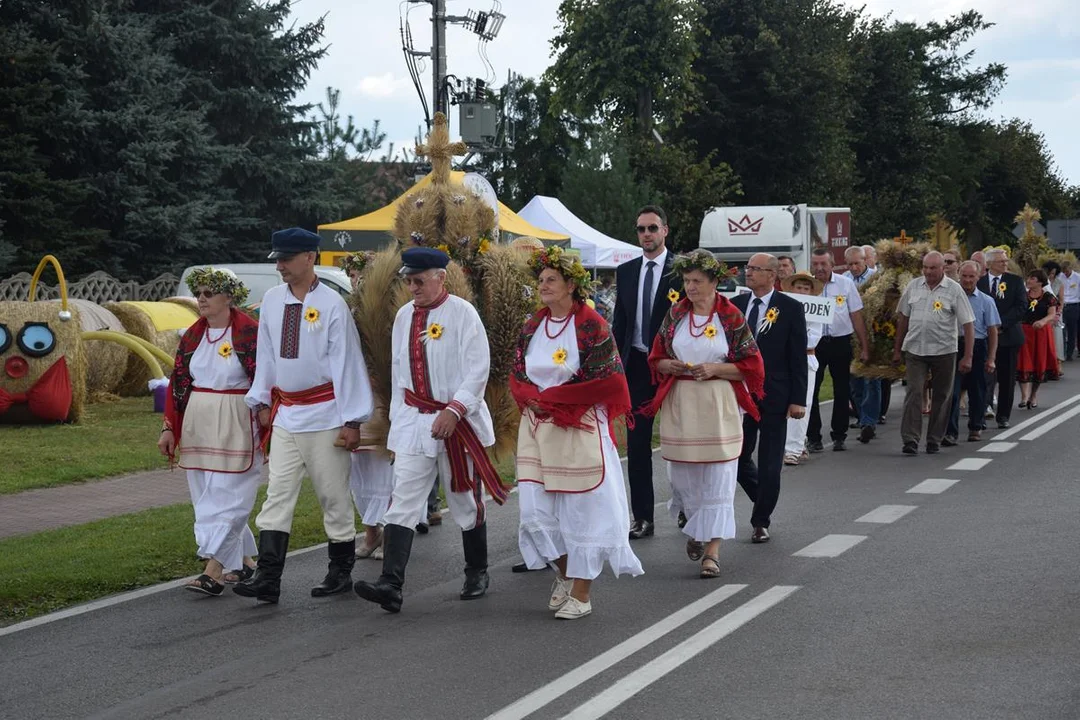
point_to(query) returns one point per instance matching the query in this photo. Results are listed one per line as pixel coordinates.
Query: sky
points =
(1038, 40)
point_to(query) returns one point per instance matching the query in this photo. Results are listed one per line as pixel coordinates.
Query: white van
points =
(260, 277)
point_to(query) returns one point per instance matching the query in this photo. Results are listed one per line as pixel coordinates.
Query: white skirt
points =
(705, 493)
(590, 528)
(371, 479)
(223, 502)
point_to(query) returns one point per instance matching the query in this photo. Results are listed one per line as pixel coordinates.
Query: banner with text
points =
(818, 309)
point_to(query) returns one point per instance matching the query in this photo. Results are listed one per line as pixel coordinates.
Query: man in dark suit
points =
(779, 325)
(1010, 295)
(641, 302)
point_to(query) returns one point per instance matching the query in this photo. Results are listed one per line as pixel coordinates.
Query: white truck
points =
(733, 234)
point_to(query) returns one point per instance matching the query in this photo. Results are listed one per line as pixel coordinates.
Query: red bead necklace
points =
(223, 332)
(704, 325)
(564, 323)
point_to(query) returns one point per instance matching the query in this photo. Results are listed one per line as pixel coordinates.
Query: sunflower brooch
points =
(938, 306)
(709, 332)
(1032, 304)
(559, 357)
(1001, 289)
(433, 332)
(771, 316)
(311, 316)
(840, 300)
(225, 350)
(673, 296)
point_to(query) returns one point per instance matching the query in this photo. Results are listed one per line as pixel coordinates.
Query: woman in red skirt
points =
(1038, 356)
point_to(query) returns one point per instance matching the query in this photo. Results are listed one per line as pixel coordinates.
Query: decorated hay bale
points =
(159, 323)
(105, 361)
(188, 302)
(42, 364)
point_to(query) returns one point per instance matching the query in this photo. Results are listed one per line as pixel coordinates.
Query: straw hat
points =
(787, 282)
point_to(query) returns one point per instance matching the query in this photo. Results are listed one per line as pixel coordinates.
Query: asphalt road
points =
(957, 603)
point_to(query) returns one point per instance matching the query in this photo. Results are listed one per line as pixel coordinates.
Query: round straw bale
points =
(157, 322)
(69, 348)
(105, 361)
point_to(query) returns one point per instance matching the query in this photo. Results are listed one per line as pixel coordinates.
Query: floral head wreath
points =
(704, 261)
(569, 266)
(357, 261)
(221, 281)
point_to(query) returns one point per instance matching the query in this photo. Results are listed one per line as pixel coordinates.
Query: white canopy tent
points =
(598, 251)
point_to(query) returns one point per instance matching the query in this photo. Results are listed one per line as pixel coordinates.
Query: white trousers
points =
(222, 503)
(796, 429)
(413, 478)
(372, 482)
(294, 455)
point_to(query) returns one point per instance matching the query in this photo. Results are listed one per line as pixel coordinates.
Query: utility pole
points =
(438, 55)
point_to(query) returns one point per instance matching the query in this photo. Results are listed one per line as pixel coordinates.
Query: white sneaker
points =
(574, 609)
(560, 592)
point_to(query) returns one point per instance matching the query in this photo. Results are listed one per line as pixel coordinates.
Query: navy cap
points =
(418, 259)
(287, 243)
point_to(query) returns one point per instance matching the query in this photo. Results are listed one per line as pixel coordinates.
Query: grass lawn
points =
(113, 438)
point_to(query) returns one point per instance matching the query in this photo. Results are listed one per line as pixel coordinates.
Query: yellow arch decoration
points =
(140, 347)
(49, 259)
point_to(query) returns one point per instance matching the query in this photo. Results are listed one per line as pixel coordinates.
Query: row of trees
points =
(138, 136)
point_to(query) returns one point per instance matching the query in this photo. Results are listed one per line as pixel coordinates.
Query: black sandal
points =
(695, 550)
(206, 585)
(237, 576)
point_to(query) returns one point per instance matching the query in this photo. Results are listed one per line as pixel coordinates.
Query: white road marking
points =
(682, 653)
(117, 599)
(1051, 424)
(998, 447)
(557, 688)
(886, 514)
(969, 464)
(933, 486)
(830, 546)
(1035, 419)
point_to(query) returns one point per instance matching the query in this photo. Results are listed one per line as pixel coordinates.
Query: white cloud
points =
(382, 86)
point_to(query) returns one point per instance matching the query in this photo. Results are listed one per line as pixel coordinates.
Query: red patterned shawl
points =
(599, 381)
(742, 352)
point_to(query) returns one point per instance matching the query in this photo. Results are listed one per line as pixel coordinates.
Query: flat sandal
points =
(708, 573)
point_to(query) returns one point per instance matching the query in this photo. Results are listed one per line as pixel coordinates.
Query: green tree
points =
(600, 187)
(339, 142)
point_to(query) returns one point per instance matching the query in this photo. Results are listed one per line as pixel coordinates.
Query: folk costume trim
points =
(599, 381)
(290, 331)
(742, 352)
(418, 336)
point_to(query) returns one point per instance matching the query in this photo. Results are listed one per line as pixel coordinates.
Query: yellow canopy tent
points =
(372, 231)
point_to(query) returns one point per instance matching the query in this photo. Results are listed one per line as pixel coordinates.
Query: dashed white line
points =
(886, 514)
(682, 653)
(970, 464)
(933, 486)
(539, 698)
(830, 546)
(998, 447)
(1051, 424)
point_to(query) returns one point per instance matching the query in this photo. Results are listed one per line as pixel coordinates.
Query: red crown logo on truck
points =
(745, 226)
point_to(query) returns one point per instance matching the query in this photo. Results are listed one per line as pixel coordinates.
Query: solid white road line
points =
(1035, 419)
(933, 486)
(1051, 424)
(557, 688)
(886, 514)
(998, 447)
(969, 464)
(117, 599)
(830, 546)
(682, 653)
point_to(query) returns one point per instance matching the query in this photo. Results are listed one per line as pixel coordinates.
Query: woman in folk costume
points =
(1038, 357)
(211, 428)
(569, 383)
(371, 477)
(704, 339)
(803, 283)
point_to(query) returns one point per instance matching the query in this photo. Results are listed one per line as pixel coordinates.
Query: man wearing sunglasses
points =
(642, 286)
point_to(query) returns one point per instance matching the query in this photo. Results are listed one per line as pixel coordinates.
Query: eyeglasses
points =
(205, 294)
(755, 268)
(950, 262)
(650, 228)
(412, 280)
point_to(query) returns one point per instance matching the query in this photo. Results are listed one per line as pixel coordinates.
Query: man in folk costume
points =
(311, 392)
(439, 423)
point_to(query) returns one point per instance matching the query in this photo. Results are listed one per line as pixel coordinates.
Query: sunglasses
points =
(411, 280)
(647, 228)
(205, 294)
(950, 262)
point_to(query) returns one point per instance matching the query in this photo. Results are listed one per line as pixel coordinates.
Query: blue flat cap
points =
(295, 240)
(418, 259)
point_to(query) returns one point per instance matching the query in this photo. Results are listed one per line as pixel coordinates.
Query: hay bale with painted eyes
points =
(159, 323)
(42, 364)
(105, 361)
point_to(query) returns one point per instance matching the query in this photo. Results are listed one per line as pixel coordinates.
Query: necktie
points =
(825, 328)
(753, 319)
(994, 290)
(647, 292)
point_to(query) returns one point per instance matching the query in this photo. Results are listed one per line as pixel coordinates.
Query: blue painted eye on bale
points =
(5, 338)
(36, 339)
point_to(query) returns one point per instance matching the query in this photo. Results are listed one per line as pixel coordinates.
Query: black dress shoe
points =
(422, 528)
(815, 446)
(867, 434)
(932, 448)
(839, 446)
(760, 535)
(948, 442)
(911, 448)
(640, 529)
(521, 567)
(1002, 424)
(682, 520)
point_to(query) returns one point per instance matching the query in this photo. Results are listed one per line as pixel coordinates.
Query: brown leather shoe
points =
(974, 436)
(760, 535)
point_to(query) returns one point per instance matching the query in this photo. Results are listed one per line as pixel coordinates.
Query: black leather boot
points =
(339, 574)
(386, 591)
(265, 584)
(476, 556)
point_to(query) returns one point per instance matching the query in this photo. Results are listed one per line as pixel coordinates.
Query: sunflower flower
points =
(311, 315)
(673, 296)
(559, 357)
(710, 331)
(433, 332)
(225, 350)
